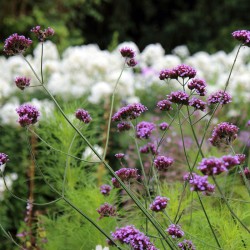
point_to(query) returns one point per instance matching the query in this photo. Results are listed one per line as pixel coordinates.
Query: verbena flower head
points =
(163, 126)
(186, 245)
(179, 97)
(127, 52)
(223, 134)
(246, 173)
(199, 183)
(106, 210)
(144, 129)
(132, 62)
(198, 85)
(123, 126)
(83, 115)
(22, 82)
(241, 158)
(129, 112)
(105, 189)
(175, 231)
(230, 161)
(220, 96)
(119, 155)
(42, 35)
(162, 163)
(197, 104)
(133, 237)
(125, 174)
(164, 105)
(185, 71)
(149, 148)
(211, 166)
(28, 115)
(159, 203)
(242, 36)
(16, 44)
(166, 74)
(3, 158)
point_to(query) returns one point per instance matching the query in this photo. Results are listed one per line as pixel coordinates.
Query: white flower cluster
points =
(8, 181)
(88, 70)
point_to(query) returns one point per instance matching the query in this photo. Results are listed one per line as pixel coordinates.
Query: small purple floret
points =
(42, 35)
(199, 183)
(186, 245)
(223, 134)
(164, 105)
(133, 237)
(22, 82)
(179, 97)
(105, 189)
(242, 36)
(162, 163)
(106, 210)
(28, 114)
(129, 112)
(16, 44)
(220, 96)
(125, 174)
(3, 158)
(198, 85)
(197, 104)
(127, 52)
(144, 129)
(159, 204)
(83, 115)
(175, 231)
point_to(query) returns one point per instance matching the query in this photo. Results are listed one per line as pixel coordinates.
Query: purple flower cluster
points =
(133, 237)
(106, 210)
(162, 163)
(159, 204)
(16, 44)
(144, 129)
(129, 54)
(183, 71)
(167, 74)
(197, 104)
(22, 82)
(149, 148)
(230, 161)
(164, 105)
(119, 155)
(125, 174)
(28, 114)
(3, 158)
(242, 36)
(175, 231)
(198, 85)
(212, 166)
(179, 97)
(130, 112)
(215, 166)
(247, 173)
(220, 96)
(105, 189)
(42, 35)
(199, 183)
(83, 115)
(223, 134)
(123, 126)
(163, 126)
(186, 245)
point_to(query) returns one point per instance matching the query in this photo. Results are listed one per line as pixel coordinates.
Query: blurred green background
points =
(199, 24)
